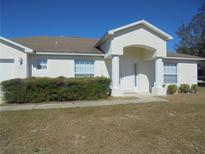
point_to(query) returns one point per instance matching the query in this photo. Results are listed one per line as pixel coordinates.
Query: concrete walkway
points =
(138, 99)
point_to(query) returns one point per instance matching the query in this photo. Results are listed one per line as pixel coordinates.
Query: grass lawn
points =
(174, 127)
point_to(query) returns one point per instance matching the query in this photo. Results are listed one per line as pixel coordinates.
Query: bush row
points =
(35, 90)
(183, 88)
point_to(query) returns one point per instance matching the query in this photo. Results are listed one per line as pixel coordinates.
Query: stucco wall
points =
(137, 35)
(64, 66)
(14, 70)
(187, 73)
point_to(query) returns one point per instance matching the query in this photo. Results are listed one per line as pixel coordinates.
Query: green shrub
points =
(35, 90)
(171, 89)
(184, 88)
(194, 88)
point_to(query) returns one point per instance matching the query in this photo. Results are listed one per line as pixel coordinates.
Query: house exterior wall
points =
(15, 69)
(65, 66)
(187, 73)
(139, 37)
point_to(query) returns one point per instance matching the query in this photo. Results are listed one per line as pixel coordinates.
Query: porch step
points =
(131, 93)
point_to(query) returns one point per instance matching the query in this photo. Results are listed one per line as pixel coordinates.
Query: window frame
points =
(171, 73)
(86, 68)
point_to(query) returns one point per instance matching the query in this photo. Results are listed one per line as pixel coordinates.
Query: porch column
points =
(158, 90)
(158, 73)
(115, 71)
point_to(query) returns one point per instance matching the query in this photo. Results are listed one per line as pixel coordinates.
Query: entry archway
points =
(137, 68)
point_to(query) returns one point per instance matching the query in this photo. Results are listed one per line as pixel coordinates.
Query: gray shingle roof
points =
(179, 55)
(60, 44)
(72, 45)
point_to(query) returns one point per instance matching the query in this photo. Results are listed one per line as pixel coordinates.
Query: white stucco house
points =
(134, 56)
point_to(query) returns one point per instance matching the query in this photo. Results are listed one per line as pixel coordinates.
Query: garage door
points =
(6, 69)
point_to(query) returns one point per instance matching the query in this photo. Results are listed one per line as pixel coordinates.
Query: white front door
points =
(128, 75)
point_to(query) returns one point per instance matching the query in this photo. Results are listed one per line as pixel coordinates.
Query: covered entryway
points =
(132, 68)
(137, 69)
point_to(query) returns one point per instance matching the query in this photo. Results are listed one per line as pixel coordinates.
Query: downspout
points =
(27, 63)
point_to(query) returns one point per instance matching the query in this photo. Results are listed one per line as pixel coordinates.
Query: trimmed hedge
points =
(171, 89)
(36, 90)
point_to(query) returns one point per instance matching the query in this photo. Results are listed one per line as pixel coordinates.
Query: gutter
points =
(183, 58)
(70, 54)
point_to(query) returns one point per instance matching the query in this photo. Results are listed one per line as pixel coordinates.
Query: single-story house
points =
(134, 56)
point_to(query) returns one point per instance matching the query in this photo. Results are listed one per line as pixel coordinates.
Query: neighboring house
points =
(134, 56)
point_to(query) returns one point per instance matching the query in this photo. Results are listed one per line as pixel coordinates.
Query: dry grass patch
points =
(176, 127)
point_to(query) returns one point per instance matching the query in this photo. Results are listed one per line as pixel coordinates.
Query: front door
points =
(128, 75)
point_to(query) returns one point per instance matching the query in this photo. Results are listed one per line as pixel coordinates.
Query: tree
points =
(192, 36)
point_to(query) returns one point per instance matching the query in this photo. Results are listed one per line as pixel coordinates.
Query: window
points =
(84, 68)
(42, 64)
(170, 73)
(6, 60)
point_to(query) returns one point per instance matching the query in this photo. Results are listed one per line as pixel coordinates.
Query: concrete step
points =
(131, 93)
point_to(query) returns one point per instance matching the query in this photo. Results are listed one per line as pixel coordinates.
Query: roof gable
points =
(15, 45)
(144, 23)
